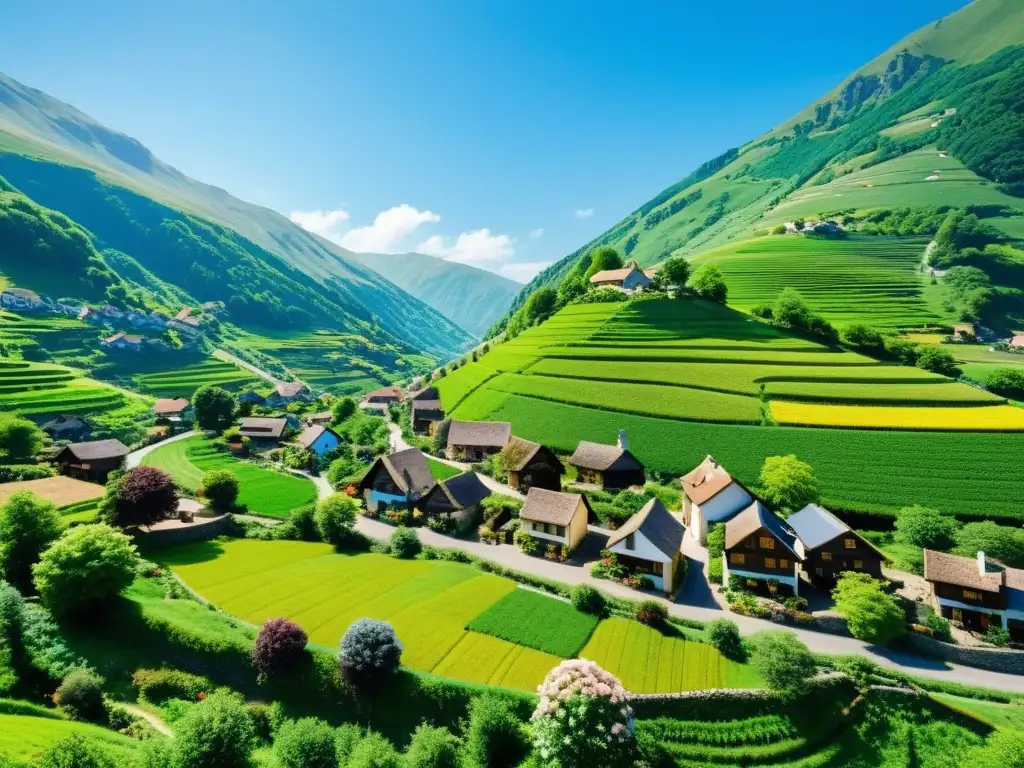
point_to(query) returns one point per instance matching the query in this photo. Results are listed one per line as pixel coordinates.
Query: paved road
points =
(134, 458)
(227, 357)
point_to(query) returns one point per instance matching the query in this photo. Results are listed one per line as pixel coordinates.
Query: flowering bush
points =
(582, 718)
(652, 613)
(526, 543)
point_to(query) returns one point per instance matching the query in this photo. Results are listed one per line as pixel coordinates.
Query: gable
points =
(643, 549)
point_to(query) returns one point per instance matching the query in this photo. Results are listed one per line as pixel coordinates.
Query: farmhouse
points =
(124, 340)
(324, 417)
(425, 414)
(289, 392)
(761, 548)
(629, 278)
(828, 546)
(92, 461)
(711, 495)
(20, 299)
(531, 465)
(457, 498)
(476, 440)
(607, 466)
(176, 410)
(399, 479)
(965, 332)
(252, 397)
(555, 517)
(650, 543)
(319, 439)
(1017, 340)
(976, 591)
(384, 396)
(264, 433)
(67, 427)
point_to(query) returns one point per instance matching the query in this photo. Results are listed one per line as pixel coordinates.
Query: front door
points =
(984, 622)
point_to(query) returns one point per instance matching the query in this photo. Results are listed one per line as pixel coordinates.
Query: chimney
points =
(622, 442)
(981, 563)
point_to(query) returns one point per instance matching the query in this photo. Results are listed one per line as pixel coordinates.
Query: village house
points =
(122, 340)
(92, 461)
(556, 518)
(252, 397)
(476, 440)
(289, 392)
(711, 495)
(1017, 340)
(828, 547)
(976, 592)
(761, 549)
(607, 466)
(531, 465)
(67, 427)
(112, 312)
(324, 418)
(384, 396)
(967, 332)
(425, 415)
(85, 313)
(175, 410)
(629, 278)
(398, 480)
(21, 300)
(457, 498)
(263, 433)
(319, 439)
(650, 544)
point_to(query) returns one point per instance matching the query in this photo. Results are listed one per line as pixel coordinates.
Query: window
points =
(766, 542)
(784, 564)
(858, 565)
(826, 557)
(737, 559)
(970, 594)
(631, 541)
(819, 571)
(769, 562)
(850, 543)
(560, 530)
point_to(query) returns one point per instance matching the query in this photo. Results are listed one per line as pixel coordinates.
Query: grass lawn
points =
(25, 737)
(441, 471)
(537, 621)
(902, 557)
(1005, 716)
(263, 491)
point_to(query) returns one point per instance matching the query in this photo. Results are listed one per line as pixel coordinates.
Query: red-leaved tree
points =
(142, 496)
(280, 645)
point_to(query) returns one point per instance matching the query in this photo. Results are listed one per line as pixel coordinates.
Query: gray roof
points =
(408, 470)
(254, 426)
(602, 457)
(816, 526)
(98, 449)
(754, 518)
(464, 490)
(554, 507)
(427, 409)
(657, 524)
(485, 434)
(430, 393)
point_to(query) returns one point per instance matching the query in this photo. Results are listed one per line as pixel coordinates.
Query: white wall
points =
(644, 549)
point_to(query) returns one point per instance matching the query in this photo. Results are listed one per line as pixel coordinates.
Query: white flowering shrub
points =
(583, 719)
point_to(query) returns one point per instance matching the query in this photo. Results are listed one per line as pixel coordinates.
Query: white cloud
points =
(584, 213)
(524, 271)
(470, 247)
(388, 230)
(328, 224)
(536, 234)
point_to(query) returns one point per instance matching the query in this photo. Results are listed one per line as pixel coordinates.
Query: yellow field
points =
(61, 490)
(996, 418)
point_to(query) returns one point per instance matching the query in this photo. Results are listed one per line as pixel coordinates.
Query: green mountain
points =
(931, 128)
(472, 298)
(197, 241)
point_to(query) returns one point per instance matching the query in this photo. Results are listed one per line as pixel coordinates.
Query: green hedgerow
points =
(215, 733)
(305, 743)
(432, 747)
(495, 737)
(374, 751)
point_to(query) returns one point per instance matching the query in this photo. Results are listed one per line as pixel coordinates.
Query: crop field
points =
(537, 621)
(647, 661)
(63, 339)
(263, 491)
(938, 392)
(995, 418)
(459, 383)
(82, 512)
(60, 490)
(24, 737)
(183, 382)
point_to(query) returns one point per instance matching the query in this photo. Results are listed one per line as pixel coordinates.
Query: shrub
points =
(925, 527)
(588, 599)
(788, 484)
(19, 438)
(142, 496)
(495, 737)
(527, 544)
(374, 751)
(370, 654)
(335, 518)
(996, 635)
(864, 338)
(1007, 382)
(220, 486)
(80, 695)
(157, 685)
(279, 646)
(724, 635)
(405, 543)
(305, 743)
(302, 524)
(215, 733)
(582, 718)
(871, 613)
(346, 738)
(87, 565)
(709, 283)
(937, 360)
(783, 661)
(939, 627)
(1002, 542)
(13, 473)
(652, 613)
(74, 752)
(28, 525)
(214, 408)
(432, 747)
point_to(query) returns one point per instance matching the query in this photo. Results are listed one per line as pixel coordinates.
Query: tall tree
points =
(603, 258)
(214, 408)
(709, 283)
(788, 484)
(28, 525)
(19, 438)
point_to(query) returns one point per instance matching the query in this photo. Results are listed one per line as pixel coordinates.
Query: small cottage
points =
(252, 397)
(1017, 340)
(457, 498)
(122, 340)
(711, 495)
(324, 418)
(650, 544)
(319, 439)
(762, 549)
(967, 332)
(67, 427)
(262, 432)
(400, 479)
(531, 465)
(93, 461)
(175, 410)
(828, 547)
(384, 396)
(556, 518)
(629, 278)
(607, 466)
(289, 392)
(425, 415)
(20, 299)
(976, 592)
(476, 440)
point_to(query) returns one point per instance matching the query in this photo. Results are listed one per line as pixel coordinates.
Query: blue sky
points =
(503, 133)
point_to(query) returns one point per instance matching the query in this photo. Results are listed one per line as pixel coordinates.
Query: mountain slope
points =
(472, 298)
(950, 92)
(67, 161)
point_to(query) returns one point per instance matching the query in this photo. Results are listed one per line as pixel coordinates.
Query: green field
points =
(183, 382)
(440, 470)
(537, 621)
(26, 736)
(263, 491)
(459, 383)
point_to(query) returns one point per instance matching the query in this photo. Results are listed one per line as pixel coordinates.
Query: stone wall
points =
(203, 529)
(995, 659)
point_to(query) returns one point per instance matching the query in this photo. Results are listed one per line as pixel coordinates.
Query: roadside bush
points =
(374, 751)
(405, 543)
(587, 599)
(215, 733)
(80, 696)
(87, 565)
(871, 613)
(75, 752)
(302, 524)
(220, 486)
(28, 525)
(279, 646)
(335, 518)
(142, 496)
(724, 635)
(783, 661)
(432, 747)
(925, 527)
(305, 743)
(939, 626)
(938, 360)
(370, 654)
(652, 613)
(157, 685)
(997, 636)
(526, 543)
(495, 738)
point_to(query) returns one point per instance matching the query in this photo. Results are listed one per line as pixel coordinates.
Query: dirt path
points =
(227, 357)
(158, 725)
(134, 458)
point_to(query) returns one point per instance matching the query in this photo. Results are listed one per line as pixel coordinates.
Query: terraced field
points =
(183, 382)
(65, 339)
